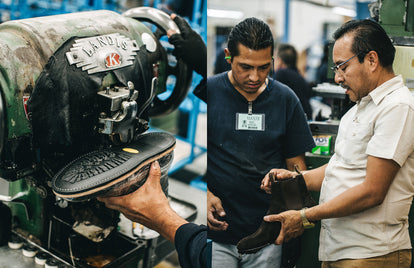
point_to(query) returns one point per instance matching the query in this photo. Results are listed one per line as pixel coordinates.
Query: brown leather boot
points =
(287, 194)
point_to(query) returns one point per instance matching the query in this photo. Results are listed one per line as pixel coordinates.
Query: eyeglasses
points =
(337, 69)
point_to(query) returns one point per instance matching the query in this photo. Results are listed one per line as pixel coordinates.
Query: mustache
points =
(344, 86)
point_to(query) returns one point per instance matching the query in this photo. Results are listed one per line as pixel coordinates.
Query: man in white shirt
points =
(368, 185)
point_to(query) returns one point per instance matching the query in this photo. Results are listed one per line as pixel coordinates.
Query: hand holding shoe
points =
(278, 173)
(149, 206)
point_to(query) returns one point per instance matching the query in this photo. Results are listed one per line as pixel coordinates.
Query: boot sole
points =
(69, 184)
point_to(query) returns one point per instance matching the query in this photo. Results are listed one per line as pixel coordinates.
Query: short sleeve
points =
(393, 134)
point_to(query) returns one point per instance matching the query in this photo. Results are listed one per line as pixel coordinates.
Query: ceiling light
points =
(344, 11)
(228, 14)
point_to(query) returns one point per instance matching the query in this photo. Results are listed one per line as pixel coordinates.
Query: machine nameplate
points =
(102, 53)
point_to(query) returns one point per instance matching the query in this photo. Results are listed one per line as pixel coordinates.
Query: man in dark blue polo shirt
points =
(254, 124)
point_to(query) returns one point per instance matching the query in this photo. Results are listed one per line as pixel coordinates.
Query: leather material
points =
(114, 171)
(287, 194)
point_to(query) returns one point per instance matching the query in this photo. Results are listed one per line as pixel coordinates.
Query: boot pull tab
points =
(272, 177)
(297, 169)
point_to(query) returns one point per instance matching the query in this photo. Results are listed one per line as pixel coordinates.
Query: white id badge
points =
(250, 122)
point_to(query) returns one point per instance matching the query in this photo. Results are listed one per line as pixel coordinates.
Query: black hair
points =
(368, 35)
(252, 33)
(287, 53)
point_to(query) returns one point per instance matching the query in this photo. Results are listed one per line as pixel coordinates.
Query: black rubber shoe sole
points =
(114, 171)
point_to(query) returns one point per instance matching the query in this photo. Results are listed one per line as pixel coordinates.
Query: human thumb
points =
(219, 209)
(154, 175)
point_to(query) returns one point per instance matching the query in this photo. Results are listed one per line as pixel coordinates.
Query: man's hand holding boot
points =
(149, 206)
(291, 225)
(280, 174)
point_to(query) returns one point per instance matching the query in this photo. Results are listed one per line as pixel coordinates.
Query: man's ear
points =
(228, 55)
(373, 59)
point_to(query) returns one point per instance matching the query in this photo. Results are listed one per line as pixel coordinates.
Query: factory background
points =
(306, 24)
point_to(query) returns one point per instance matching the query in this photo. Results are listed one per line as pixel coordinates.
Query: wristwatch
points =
(306, 224)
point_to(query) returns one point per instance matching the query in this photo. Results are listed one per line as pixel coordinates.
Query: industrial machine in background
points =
(398, 22)
(71, 84)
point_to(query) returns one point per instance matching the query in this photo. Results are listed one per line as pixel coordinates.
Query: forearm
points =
(314, 178)
(354, 200)
(167, 224)
(371, 192)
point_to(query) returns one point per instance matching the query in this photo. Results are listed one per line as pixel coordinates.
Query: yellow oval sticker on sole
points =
(130, 150)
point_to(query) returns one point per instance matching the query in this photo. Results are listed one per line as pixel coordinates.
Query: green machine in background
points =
(397, 18)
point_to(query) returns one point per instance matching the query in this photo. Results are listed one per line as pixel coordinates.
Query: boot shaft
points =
(289, 194)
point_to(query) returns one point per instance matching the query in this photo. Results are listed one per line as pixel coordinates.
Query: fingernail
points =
(266, 218)
(222, 213)
(156, 165)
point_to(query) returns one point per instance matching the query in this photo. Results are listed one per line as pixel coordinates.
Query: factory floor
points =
(179, 181)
